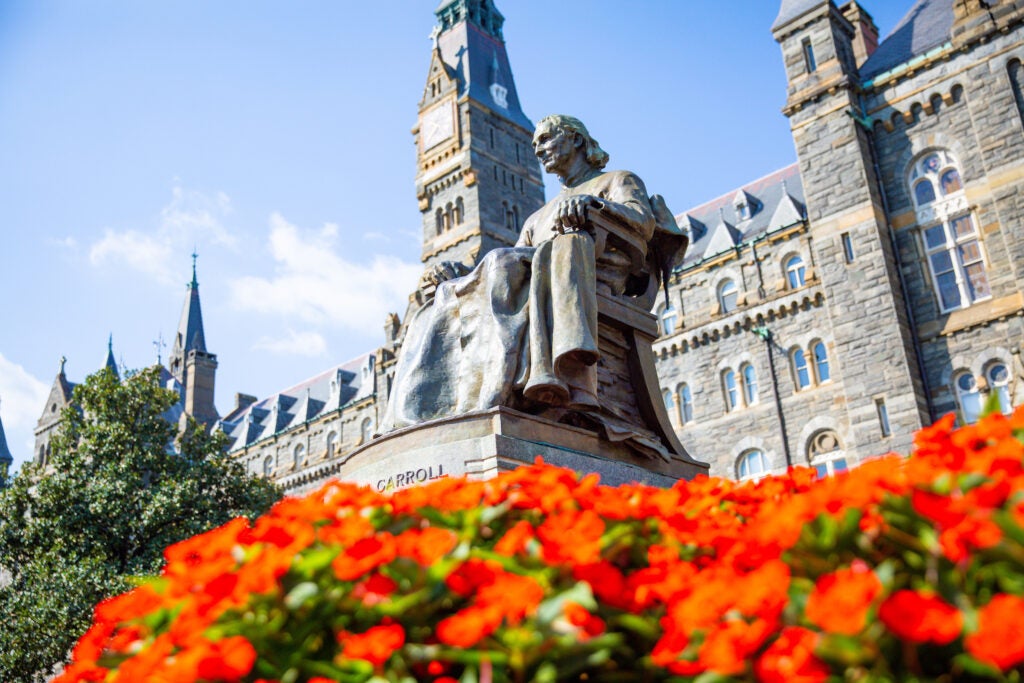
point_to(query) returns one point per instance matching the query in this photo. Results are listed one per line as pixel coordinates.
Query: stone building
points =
(823, 312)
(828, 310)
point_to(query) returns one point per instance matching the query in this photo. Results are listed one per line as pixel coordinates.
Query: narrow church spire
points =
(111, 363)
(6, 459)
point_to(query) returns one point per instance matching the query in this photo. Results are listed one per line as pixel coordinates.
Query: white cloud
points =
(314, 283)
(191, 218)
(295, 343)
(22, 399)
(145, 253)
(68, 242)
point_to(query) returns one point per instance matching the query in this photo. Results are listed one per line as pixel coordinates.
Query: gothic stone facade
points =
(896, 297)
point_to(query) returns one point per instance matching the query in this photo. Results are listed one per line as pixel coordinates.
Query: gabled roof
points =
(780, 196)
(926, 26)
(318, 395)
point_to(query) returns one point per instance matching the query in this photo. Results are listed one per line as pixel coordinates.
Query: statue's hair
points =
(596, 156)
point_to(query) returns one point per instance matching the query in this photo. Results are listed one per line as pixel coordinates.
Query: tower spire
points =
(6, 459)
(110, 362)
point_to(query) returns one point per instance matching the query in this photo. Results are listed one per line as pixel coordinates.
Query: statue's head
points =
(572, 128)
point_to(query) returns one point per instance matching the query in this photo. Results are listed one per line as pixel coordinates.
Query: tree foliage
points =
(123, 482)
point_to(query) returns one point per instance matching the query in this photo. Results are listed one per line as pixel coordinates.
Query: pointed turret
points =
(6, 459)
(190, 363)
(60, 397)
(110, 363)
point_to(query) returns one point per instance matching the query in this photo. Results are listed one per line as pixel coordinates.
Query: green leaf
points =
(554, 607)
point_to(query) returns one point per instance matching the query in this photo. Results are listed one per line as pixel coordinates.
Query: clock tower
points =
(477, 178)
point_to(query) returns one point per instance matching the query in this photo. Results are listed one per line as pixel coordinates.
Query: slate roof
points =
(330, 390)
(794, 9)
(472, 53)
(926, 26)
(777, 202)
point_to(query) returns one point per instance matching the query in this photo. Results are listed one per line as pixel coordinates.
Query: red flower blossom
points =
(376, 645)
(921, 617)
(999, 639)
(791, 659)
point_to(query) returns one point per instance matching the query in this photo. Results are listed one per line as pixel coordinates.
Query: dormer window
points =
(743, 210)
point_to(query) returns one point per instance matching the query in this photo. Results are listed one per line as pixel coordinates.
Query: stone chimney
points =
(243, 401)
(865, 38)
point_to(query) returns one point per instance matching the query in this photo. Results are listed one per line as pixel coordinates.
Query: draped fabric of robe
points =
(521, 325)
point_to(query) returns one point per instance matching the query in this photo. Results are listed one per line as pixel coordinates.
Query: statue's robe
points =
(520, 330)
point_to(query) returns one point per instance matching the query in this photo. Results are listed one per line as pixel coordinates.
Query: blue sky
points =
(274, 138)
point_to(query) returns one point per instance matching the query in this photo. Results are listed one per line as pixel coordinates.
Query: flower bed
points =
(902, 569)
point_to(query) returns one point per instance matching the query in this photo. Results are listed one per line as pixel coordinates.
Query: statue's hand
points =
(571, 212)
(442, 272)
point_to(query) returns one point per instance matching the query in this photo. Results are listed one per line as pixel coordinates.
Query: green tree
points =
(123, 482)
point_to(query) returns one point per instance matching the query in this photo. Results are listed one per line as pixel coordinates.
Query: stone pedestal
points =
(484, 443)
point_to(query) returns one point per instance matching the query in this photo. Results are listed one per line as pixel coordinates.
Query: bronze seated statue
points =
(558, 326)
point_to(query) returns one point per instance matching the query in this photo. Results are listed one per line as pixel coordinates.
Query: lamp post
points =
(765, 334)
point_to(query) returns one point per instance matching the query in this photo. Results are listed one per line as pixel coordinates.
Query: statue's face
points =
(555, 148)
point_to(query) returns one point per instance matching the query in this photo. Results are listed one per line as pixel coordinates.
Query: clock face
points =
(437, 125)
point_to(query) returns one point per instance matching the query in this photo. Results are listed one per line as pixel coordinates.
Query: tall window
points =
(998, 377)
(801, 373)
(459, 211)
(732, 394)
(1016, 73)
(685, 404)
(820, 361)
(795, 272)
(332, 438)
(366, 430)
(968, 396)
(670, 403)
(948, 229)
(668, 316)
(268, 466)
(810, 63)
(298, 455)
(727, 296)
(439, 221)
(848, 248)
(749, 384)
(752, 464)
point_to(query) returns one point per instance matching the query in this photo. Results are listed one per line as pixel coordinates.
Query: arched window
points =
(732, 394)
(1016, 73)
(727, 296)
(685, 404)
(968, 397)
(515, 218)
(951, 240)
(801, 373)
(457, 212)
(439, 221)
(820, 361)
(670, 403)
(668, 316)
(749, 384)
(299, 456)
(752, 464)
(826, 455)
(332, 439)
(366, 430)
(268, 466)
(448, 224)
(998, 377)
(795, 272)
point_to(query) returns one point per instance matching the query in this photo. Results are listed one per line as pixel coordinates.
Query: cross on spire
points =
(195, 255)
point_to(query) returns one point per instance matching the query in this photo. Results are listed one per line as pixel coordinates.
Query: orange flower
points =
(577, 615)
(426, 546)
(729, 644)
(374, 589)
(468, 627)
(227, 659)
(921, 617)
(840, 601)
(572, 537)
(376, 645)
(999, 639)
(790, 659)
(364, 555)
(515, 539)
